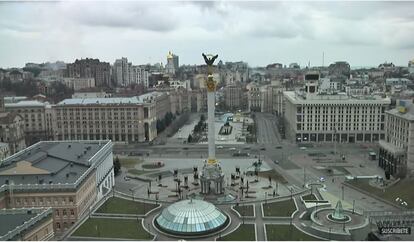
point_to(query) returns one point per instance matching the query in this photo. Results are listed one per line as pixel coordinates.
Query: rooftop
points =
(144, 98)
(26, 103)
(405, 111)
(302, 98)
(14, 221)
(51, 163)
(191, 217)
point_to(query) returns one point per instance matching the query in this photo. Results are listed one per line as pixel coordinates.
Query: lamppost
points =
(353, 206)
(342, 192)
(132, 194)
(304, 176)
(265, 197)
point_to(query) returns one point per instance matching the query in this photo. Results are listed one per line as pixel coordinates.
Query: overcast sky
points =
(362, 33)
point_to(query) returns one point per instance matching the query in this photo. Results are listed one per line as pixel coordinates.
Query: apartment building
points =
(37, 119)
(314, 117)
(69, 177)
(90, 68)
(396, 153)
(126, 119)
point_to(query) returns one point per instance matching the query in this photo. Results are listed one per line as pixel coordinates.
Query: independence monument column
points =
(211, 170)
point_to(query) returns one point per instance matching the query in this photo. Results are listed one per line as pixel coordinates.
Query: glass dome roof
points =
(191, 217)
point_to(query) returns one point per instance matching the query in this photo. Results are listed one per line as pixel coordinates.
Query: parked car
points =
(232, 148)
(279, 147)
(276, 161)
(220, 147)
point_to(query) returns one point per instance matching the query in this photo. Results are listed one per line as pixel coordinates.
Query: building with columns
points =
(126, 119)
(314, 117)
(396, 153)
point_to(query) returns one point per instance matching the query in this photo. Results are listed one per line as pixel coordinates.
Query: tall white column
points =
(211, 129)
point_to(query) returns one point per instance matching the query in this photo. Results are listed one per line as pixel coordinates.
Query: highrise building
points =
(121, 72)
(87, 68)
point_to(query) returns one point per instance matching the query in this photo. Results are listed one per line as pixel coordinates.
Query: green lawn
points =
(278, 232)
(113, 228)
(129, 162)
(404, 189)
(123, 206)
(309, 197)
(279, 209)
(243, 233)
(244, 210)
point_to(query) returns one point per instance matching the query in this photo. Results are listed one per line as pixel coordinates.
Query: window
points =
(58, 225)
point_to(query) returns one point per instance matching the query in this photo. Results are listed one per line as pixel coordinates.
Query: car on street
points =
(232, 148)
(220, 147)
(263, 148)
(303, 148)
(247, 148)
(276, 161)
(279, 147)
(127, 178)
(322, 179)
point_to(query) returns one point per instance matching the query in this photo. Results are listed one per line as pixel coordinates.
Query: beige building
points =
(129, 120)
(38, 119)
(26, 224)
(314, 117)
(69, 177)
(396, 154)
(12, 131)
(255, 97)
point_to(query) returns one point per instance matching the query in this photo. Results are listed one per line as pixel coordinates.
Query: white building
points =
(138, 75)
(310, 116)
(78, 83)
(396, 154)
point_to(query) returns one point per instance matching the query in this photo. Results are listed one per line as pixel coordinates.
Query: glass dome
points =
(191, 217)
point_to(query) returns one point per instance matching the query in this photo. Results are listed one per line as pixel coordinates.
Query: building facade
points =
(79, 83)
(126, 120)
(90, 68)
(313, 117)
(396, 153)
(69, 177)
(37, 119)
(33, 224)
(233, 97)
(12, 131)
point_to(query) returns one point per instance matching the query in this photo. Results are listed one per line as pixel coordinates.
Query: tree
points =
(190, 138)
(117, 165)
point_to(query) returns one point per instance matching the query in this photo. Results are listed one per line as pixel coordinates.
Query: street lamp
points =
(265, 197)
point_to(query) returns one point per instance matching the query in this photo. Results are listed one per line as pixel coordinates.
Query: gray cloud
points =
(145, 31)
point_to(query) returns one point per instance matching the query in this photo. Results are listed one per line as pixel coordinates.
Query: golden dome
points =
(170, 55)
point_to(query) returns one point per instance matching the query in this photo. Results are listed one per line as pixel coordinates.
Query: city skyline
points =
(144, 32)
